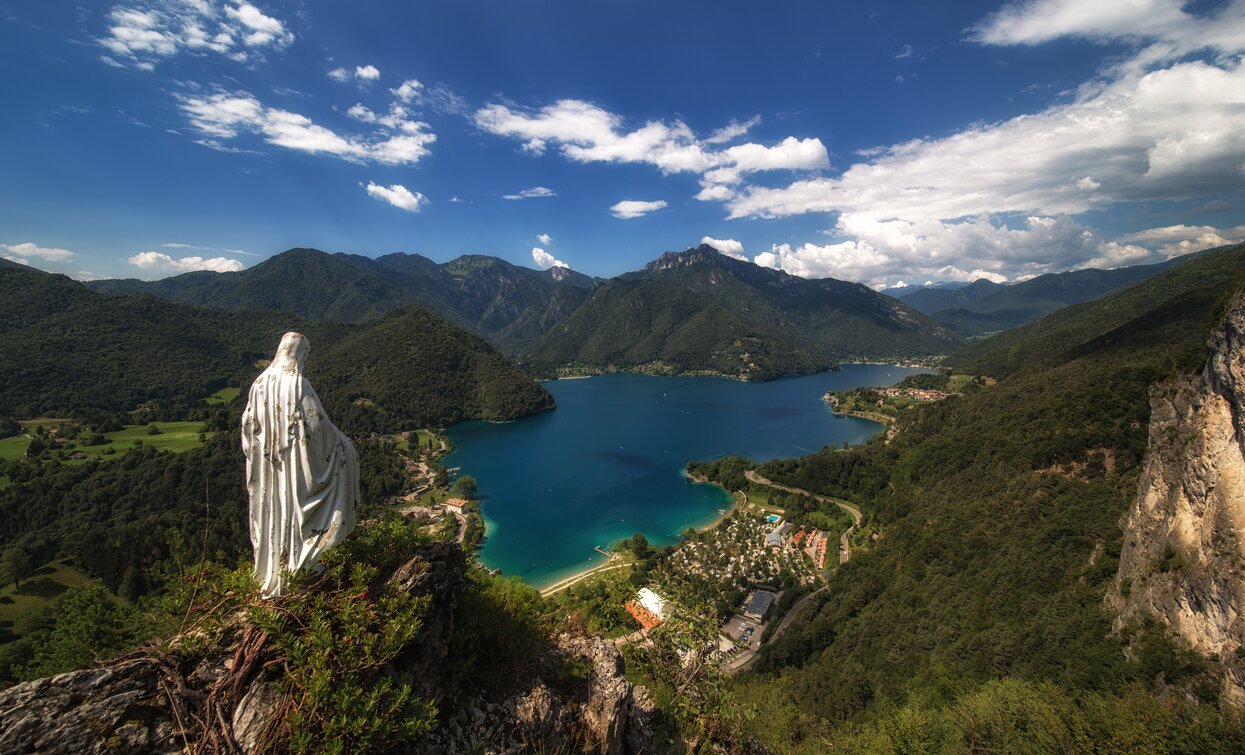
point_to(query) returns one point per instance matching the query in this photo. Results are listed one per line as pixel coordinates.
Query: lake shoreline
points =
(620, 440)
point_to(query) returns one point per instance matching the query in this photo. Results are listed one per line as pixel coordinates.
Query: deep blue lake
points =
(609, 461)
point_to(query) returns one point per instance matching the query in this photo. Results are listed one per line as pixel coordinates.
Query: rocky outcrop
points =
(1183, 559)
(225, 700)
(600, 713)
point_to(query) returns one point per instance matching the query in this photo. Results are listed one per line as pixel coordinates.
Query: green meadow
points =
(223, 396)
(36, 593)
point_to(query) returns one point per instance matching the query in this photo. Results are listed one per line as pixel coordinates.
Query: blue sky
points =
(875, 142)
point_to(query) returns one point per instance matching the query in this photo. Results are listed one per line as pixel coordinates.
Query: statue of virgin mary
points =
(302, 473)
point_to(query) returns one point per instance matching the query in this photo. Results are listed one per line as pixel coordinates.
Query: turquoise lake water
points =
(609, 461)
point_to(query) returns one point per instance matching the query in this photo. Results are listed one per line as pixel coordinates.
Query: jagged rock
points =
(1184, 547)
(603, 714)
(127, 706)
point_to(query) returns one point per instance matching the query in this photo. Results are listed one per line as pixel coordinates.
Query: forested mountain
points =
(508, 304)
(985, 307)
(934, 299)
(701, 310)
(998, 521)
(67, 349)
(412, 369)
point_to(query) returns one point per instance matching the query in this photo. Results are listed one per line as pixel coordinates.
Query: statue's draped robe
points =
(302, 474)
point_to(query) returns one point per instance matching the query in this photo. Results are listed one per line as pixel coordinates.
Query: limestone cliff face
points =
(1183, 559)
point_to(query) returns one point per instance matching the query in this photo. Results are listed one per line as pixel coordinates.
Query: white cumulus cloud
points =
(339, 74)
(634, 208)
(1166, 134)
(545, 260)
(729, 247)
(361, 113)
(226, 115)
(367, 73)
(584, 132)
(398, 195)
(544, 238)
(140, 34)
(408, 90)
(159, 263)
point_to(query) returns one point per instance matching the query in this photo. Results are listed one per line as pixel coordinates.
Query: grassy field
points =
(223, 396)
(174, 436)
(13, 448)
(36, 592)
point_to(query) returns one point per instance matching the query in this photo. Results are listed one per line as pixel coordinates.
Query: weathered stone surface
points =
(1184, 547)
(605, 714)
(116, 709)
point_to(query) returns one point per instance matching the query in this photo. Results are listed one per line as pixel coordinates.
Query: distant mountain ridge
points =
(983, 306)
(699, 310)
(692, 311)
(500, 301)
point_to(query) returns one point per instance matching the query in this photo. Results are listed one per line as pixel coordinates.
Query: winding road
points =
(845, 552)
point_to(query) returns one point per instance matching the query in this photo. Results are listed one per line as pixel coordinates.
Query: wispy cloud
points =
(226, 115)
(28, 250)
(634, 208)
(732, 131)
(536, 192)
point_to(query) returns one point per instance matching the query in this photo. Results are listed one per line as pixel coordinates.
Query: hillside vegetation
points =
(998, 516)
(87, 351)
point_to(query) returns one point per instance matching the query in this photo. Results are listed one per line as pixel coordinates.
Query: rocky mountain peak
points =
(700, 255)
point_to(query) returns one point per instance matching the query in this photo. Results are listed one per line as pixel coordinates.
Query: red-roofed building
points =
(642, 614)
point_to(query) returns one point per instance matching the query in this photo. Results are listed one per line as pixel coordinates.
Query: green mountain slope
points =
(701, 310)
(985, 307)
(1177, 296)
(413, 369)
(81, 350)
(997, 518)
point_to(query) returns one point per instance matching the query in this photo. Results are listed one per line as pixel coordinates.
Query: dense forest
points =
(69, 351)
(998, 516)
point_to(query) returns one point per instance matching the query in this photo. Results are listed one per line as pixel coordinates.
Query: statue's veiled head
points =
(292, 351)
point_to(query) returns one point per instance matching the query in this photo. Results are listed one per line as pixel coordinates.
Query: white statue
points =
(302, 473)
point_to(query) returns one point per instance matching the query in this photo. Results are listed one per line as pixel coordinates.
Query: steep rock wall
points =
(1183, 559)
